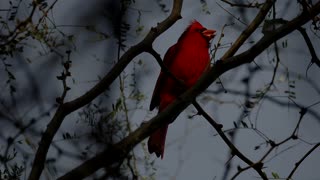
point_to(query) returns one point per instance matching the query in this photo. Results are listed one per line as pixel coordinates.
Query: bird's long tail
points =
(157, 141)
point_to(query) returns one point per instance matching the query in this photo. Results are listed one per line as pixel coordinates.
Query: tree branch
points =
(302, 159)
(234, 150)
(249, 30)
(314, 57)
(249, 5)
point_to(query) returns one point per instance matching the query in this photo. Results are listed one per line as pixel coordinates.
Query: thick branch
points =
(107, 157)
(67, 108)
(249, 30)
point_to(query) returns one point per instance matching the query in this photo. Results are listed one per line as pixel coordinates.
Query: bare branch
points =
(314, 57)
(234, 151)
(250, 29)
(237, 18)
(249, 5)
(301, 160)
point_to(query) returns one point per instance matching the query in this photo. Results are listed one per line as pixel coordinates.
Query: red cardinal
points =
(186, 60)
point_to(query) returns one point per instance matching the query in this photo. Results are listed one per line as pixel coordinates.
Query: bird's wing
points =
(167, 61)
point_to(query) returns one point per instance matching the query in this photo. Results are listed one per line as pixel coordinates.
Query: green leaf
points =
(275, 175)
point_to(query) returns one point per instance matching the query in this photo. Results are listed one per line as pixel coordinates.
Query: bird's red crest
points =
(195, 25)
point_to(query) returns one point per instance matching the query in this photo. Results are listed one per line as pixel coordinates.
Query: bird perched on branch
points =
(186, 60)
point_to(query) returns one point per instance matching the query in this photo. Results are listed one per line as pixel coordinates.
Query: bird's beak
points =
(208, 33)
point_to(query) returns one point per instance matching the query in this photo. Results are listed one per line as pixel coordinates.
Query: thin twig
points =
(301, 160)
(235, 151)
(249, 5)
(237, 18)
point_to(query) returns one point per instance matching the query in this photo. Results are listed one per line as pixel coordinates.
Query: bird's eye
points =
(201, 30)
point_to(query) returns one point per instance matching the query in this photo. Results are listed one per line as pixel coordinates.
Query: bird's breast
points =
(190, 63)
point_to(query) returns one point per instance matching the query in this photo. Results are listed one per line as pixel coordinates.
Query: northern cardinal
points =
(186, 60)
